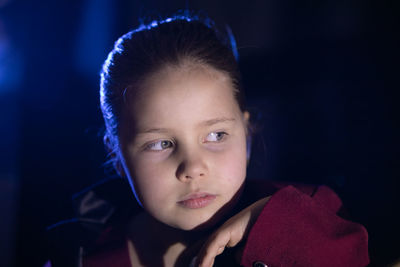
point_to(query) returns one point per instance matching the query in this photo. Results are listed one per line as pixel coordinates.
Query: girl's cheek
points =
(150, 159)
(142, 158)
(147, 179)
(218, 148)
(231, 160)
(150, 167)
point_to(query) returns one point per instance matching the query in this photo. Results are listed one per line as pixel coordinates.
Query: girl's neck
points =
(157, 244)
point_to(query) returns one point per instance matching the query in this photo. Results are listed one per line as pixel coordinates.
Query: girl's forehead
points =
(187, 70)
(180, 94)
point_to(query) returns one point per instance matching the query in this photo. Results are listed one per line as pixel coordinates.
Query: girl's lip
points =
(197, 200)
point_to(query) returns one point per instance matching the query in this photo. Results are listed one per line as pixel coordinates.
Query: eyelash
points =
(149, 147)
(224, 135)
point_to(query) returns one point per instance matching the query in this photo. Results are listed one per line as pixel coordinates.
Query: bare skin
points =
(161, 245)
(230, 234)
(183, 149)
(180, 247)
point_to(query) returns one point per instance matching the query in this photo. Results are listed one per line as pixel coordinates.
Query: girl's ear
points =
(246, 119)
(114, 158)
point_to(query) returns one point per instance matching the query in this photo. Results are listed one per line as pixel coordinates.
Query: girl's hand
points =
(230, 233)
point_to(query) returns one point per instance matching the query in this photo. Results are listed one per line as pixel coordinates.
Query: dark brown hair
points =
(144, 51)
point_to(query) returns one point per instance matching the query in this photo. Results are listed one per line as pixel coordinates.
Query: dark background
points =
(321, 80)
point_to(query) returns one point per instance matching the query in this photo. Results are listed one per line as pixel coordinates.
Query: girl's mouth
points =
(197, 200)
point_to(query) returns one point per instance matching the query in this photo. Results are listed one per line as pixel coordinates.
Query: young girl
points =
(178, 131)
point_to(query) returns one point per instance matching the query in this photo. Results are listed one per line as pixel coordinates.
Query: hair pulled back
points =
(149, 48)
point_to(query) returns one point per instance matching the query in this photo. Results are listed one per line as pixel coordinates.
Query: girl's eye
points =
(160, 145)
(216, 136)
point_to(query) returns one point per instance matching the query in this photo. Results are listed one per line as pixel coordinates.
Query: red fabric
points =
(296, 229)
(115, 257)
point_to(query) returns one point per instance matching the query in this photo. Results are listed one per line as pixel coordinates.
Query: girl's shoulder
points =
(301, 218)
(101, 214)
(259, 188)
(256, 189)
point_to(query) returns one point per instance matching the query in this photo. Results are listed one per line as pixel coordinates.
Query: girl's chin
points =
(199, 225)
(212, 221)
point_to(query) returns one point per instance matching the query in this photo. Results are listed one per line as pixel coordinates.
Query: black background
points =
(321, 80)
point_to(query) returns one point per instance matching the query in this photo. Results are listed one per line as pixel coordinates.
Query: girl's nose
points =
(191, 168)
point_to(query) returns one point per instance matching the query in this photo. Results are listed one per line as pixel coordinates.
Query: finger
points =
(207, 258)
(213, 247)
(234, 239)
(210, 264)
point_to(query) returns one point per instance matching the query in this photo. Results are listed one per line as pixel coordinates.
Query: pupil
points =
(164, 144)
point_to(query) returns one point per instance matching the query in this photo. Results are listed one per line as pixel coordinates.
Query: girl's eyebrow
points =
(203, 123)
(154, 130)
(217, 120)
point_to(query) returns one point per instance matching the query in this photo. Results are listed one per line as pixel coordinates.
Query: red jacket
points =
(302, 229)
(298, 226)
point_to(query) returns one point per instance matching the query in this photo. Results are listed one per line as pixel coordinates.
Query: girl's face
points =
(183, 146)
